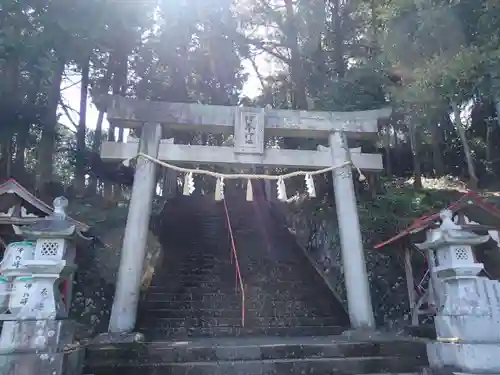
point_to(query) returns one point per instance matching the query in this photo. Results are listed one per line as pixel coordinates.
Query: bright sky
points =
(71, 93)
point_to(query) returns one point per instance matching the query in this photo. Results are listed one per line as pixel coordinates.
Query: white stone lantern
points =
(466, 323)
(53, 261)
(458, 271)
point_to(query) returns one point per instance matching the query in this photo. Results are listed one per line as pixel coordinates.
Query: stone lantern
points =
(466, 323)
(34, 340)
(53, 261)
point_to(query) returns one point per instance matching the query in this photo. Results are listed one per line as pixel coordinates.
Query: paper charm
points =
(188, 184)
(311, 189)
(249, 191)
(281, 189)
(219, 189)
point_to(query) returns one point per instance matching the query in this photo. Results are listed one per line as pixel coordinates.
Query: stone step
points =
(234, 300)
(184, 333)
(258, 349)
(197, 310)
(234, 311)
(218, 284)
(251, 306)
(198, 320)
(234, 296)
(316, 366)
(301, 355)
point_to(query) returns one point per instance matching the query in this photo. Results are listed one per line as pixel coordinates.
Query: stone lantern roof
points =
(22, 212)
(57, 224)
(470, 205)
(19, 207)
(450, 233)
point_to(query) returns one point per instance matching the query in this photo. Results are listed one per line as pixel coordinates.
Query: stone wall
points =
(315, 225)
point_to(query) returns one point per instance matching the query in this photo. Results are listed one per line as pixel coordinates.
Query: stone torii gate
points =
(249, 126)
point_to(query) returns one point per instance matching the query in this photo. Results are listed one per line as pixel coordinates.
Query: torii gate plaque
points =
(249, 126)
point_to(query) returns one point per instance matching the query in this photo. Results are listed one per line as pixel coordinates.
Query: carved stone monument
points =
(468, 320)
(36, 334)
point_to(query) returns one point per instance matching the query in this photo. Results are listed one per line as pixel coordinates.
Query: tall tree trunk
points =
(387, 146)
(465, 143)
(81, 154)
(47, 142)
(338, 38)
(25, 127)
(119, 85)
(96, 144)
(497, 108)
(374, 29)
(9, 110)
(437, 151)
(299, 99)
(417, 171)
(21, 144)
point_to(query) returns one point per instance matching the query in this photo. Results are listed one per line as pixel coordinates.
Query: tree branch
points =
(261, 45)
(73, 84)
(276, 17)
(259, 76)
(66, 112)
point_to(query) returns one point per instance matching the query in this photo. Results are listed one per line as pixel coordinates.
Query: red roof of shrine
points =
(470, 204)
(13, 188)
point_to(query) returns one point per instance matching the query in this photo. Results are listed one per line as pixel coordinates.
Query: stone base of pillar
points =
(472, 358)
(41, 347)
(118, 338)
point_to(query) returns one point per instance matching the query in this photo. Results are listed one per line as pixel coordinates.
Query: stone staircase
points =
(191, 314)
(194, 294)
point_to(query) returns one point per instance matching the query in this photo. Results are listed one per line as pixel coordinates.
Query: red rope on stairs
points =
(234, 255)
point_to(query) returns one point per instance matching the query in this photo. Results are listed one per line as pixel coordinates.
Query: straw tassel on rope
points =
(361, 176)
(219, 189)
(126, 162)
(281, 189)
(311, 189)
(188, 184)
(249, 191)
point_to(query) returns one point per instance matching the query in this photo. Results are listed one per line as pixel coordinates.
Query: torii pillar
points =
(359, 303)
(124, 311)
